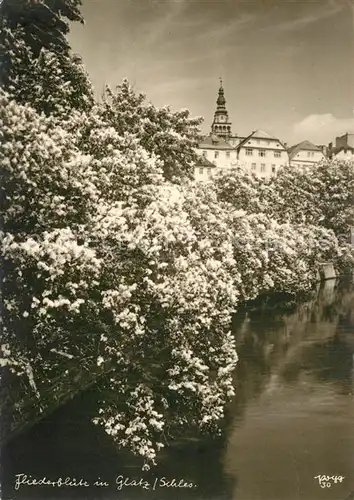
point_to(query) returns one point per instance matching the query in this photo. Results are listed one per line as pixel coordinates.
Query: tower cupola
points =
(221, 125)
(221, 101)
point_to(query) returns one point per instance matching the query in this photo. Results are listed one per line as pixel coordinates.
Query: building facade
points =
(262, 154)
(343, 153)
(214, 151)
(218, 151)
(204, 170)
(305, 154)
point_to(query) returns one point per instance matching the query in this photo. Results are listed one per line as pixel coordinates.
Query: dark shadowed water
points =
(292, 420)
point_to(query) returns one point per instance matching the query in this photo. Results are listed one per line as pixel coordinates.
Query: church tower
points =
(221, 125)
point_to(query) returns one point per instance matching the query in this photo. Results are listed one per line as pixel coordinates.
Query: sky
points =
(287, 65)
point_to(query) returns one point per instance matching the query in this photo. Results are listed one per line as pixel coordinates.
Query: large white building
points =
(262, 154)
(305, 154)
(259, 153)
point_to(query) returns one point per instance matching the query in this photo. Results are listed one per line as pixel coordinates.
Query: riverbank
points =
(294, 387)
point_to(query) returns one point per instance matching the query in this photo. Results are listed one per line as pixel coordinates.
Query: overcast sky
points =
(287, 65)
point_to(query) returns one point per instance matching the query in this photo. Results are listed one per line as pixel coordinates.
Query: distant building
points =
(345, 141)
(218, 151)
(344, 148)
(262, 154)
(305, 154)
(204, 170)
(343, 153)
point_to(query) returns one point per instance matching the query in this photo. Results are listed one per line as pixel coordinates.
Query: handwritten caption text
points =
(120, 482)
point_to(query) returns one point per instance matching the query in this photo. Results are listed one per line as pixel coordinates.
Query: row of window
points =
(253, 167)
(249, 152)
(216, 154)
(222, 128)
(263, 142)
(263, 167)
(262, 153)
(207, 170)
(310, 154)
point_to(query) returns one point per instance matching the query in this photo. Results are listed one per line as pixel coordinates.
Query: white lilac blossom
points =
(170, 136)
(106, 268)
(115, 262)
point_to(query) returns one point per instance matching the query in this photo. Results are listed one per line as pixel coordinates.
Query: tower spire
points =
(221, 125)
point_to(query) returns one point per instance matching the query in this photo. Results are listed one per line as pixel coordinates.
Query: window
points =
(227, 154)
(204, 154)
(249, 151)
(310, 154)
(262, 152)
(258, 142)
(209, 173)
(216, 154)
(273, 169)
(263, 167)
(254, 166)
(277, 154)
(201, 171)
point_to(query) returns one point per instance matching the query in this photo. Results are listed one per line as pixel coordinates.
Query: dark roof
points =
(204, 162)
(241, 143)
(302, 146)
(237, 137)
(259, 134)
(214, 142)
(342, 148)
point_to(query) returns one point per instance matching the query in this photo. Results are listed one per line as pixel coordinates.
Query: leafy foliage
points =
(42, 23)
(322, 195)
(37, 66)
(171, 136)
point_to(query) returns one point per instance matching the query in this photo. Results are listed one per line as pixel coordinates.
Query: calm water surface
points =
(292, 419)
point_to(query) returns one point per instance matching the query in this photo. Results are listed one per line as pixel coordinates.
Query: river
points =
(291, 420)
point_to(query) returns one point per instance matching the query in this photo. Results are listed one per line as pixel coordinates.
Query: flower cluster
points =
(117, 267)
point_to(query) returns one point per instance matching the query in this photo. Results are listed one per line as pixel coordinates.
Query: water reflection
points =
(291, 419)
(294, 400)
